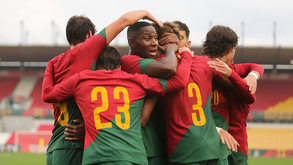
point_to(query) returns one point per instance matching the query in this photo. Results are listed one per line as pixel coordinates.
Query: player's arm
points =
(168, 38)
(166, 66)
(252, 72)
(180, 79)
(127, 19)
(238, 84)
(158, 86)
(177, 82)
(48, 84)
(73, 132)
(221, 72)
(147, 108)
(96, 44)
(245, 68)
(227, 139)
(241, 88)
(62, 91)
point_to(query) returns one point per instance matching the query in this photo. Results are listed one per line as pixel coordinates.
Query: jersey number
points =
(198, 106)
(105, 105)
(215, 97)
(64, 112)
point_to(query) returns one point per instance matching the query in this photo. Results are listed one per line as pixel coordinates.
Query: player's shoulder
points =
(57, 58)
(234, 66)
(200, 58)
(129, 57)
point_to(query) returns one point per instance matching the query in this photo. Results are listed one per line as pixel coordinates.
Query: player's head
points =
(109, 59)
(78, 29)
(220, 41)
(184, 33)
(142, 39)
(168, 27)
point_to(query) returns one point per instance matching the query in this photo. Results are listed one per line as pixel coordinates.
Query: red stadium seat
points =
(38, 108)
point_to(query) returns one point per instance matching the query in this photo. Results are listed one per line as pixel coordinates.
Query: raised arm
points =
(127, 19)
(166, 66)
(180, 79)
(160, 86)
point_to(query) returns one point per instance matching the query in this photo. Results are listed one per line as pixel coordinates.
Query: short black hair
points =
(183, 27)
(134, 29)
(109, 59)
(77, 28)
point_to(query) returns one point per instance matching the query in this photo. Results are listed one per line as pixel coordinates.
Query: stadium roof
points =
(259, 55)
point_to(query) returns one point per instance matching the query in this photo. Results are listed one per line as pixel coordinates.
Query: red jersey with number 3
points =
(191, 131)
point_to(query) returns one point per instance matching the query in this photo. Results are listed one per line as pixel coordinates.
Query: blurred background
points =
(32, 32)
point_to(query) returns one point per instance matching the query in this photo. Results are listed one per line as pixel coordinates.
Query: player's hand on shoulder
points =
(221, 67)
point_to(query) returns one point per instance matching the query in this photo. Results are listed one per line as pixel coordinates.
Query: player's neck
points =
(73, 46)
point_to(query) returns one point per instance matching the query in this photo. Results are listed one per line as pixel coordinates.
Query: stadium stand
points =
(38, 107)
(46, 127)
(274, 99)
(267, 142)
(280, 138)
(272, 94)
(7, 85)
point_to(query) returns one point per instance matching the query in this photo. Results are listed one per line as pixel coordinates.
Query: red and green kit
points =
(191, 132)
(60, 68)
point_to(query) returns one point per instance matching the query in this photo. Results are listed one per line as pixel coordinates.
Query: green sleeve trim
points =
(163, 83)
(103, 33)
(143, 64)
(93, 67)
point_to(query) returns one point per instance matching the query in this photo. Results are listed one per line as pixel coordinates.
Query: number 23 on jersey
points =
(105, 106)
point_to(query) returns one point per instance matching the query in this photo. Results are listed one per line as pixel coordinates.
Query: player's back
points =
(111, 102)
(219, 105)
(191, 132)
(75, 60)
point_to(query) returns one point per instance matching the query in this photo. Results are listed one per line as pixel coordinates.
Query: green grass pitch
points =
(270, 161)
(8, 158)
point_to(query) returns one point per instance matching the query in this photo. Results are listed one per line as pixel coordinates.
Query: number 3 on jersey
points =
(105, 105)
(197, 106)
(64, 112)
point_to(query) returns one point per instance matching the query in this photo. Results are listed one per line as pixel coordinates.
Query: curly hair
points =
(169, 27)
(219, 41)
